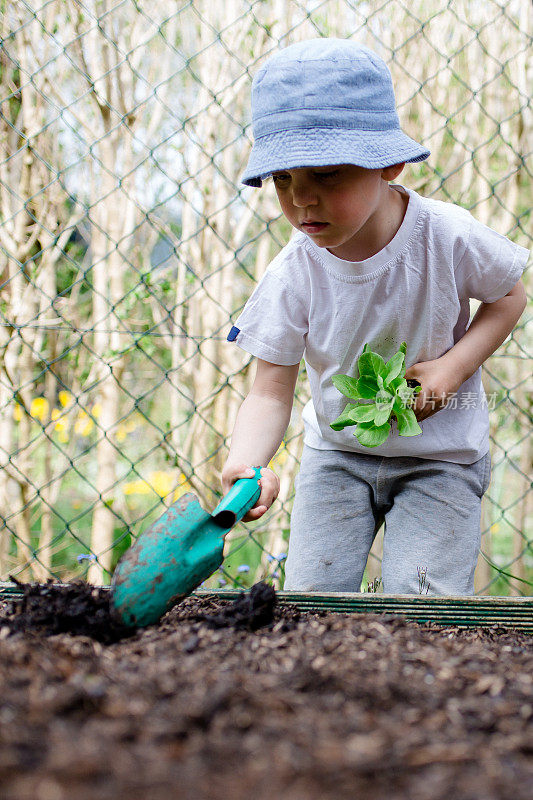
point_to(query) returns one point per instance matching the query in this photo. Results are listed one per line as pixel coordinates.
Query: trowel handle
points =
(240, 499)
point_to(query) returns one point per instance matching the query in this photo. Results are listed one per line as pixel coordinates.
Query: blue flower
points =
(85, 557)
(243, 568)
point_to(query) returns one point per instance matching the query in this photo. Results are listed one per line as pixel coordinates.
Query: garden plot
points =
(259, 701)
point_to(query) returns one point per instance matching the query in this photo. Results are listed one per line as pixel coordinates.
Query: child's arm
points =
(261, 423)
(492, 324)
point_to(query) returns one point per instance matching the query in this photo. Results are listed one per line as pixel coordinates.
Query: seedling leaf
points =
(345, 418)
(367, 387)
(407, 423)
(365, 413)
(386, 385)
(346, 385)
(397, 383)
(393, 367)
(370, 363)
(383, 413)
(372, 436)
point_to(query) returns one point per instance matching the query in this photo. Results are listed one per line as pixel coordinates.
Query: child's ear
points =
(392, 172)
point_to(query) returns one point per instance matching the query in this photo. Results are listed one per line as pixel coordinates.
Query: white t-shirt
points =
(310, 303)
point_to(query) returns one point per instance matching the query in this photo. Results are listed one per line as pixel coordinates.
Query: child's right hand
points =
(269, 487)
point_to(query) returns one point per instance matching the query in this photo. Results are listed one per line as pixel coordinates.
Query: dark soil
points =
(82, 609)
(76, 608)
(209, 705)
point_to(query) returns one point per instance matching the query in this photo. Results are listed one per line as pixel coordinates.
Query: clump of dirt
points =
(81, 609)
(77, 608)
(249, 611)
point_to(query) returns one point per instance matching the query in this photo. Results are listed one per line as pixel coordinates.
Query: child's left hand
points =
(440, 379)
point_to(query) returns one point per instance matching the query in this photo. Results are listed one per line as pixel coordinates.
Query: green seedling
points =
(422, 582)
(373, 586)
(384, 384)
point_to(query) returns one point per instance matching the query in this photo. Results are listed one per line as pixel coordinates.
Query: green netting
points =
(127, 245)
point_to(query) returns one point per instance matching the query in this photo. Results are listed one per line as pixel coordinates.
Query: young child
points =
(370, 262)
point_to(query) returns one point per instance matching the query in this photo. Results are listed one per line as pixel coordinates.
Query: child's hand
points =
(440, 379)
(269, 487)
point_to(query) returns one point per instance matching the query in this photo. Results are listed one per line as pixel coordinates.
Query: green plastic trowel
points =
(179, 551)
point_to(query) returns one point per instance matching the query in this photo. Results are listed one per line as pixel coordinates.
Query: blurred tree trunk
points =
(34, 213)
(114, 218)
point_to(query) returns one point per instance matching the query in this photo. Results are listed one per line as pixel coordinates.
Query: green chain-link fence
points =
(127, 245)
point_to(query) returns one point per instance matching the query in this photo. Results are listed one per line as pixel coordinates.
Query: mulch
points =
(255, 700)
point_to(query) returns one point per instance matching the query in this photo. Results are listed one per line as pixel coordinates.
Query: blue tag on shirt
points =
(232, 335)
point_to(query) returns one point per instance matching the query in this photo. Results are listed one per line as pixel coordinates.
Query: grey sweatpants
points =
(431, 511)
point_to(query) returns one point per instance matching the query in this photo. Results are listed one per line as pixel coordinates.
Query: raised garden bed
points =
(310, 705)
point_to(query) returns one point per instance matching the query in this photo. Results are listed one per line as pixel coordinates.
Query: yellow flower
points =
(61, 425)
(182, 488)
(39, 408)
(125, 427)
(84, 424)
(132, 422)
(159, 482)
(280, 457)
(136, 487)
(17, 412)
(65, 398)
(96, 410)
(162, 482)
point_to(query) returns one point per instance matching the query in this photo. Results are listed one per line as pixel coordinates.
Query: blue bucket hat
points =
(322, 102)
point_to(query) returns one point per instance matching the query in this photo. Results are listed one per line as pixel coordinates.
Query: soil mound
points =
(77, 608)
(249, 611)
(81, 609)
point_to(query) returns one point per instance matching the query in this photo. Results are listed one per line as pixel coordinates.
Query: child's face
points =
(343, 207)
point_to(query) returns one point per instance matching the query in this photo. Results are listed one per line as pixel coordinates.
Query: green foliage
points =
(121, 543)
(385, 385)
